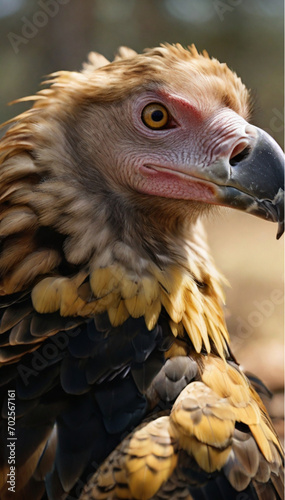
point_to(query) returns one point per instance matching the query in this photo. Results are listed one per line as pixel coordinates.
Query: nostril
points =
(239, 153)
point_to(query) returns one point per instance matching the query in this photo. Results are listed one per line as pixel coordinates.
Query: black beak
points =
(255, 182)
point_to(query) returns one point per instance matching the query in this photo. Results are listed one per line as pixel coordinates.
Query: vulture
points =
(116, 373)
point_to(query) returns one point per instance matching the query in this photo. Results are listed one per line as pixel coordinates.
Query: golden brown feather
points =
(203, 426)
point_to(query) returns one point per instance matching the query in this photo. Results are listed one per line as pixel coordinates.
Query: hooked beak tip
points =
(256, 184)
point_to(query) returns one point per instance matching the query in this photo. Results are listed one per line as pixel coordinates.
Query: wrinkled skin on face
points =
(203, 153)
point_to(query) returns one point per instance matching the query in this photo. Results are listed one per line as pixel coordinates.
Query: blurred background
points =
(38, 37)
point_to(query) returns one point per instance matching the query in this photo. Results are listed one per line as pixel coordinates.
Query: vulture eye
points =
(155, 116)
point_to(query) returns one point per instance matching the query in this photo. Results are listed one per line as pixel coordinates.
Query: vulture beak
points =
(255, 179)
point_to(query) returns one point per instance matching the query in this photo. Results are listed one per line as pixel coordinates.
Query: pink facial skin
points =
(187, 158)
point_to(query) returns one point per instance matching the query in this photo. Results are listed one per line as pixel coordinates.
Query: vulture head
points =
(172, 124)
(112, 168)
(169, 123)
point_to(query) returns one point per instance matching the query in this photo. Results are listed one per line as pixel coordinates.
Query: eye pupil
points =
(157, 115)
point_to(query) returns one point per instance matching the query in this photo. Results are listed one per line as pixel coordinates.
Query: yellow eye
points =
(155, 116)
